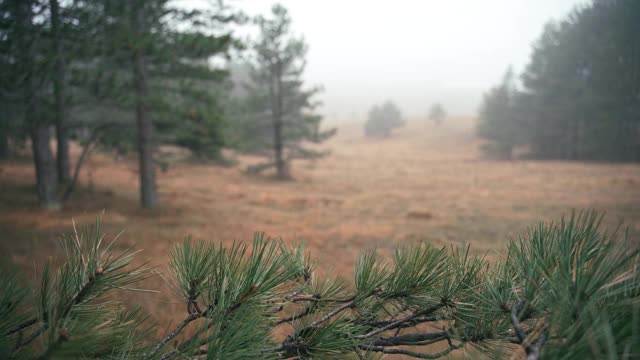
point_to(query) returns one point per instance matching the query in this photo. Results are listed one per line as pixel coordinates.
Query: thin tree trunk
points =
(281, 168)
(63, 162)
(4, 144)
(148, 191)
(282, 171)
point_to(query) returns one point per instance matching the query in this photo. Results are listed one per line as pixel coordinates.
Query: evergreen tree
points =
(564, 289)
(498, 120)
(23, 42)
(279, 105)
(581, 87)
(383, 119)
(437, 114)
(110, 64)
(169, 70)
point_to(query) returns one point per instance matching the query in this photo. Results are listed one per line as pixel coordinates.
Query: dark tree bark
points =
(46, 180)
(148, 191)
(63, 161)
(4, 145)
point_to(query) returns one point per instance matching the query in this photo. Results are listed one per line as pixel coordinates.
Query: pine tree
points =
(162, 64)
(148, 65)
(280, 107)
(23, 42)
(563, 289)
(498, 121)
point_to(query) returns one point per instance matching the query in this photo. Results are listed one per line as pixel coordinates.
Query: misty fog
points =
(415, 52)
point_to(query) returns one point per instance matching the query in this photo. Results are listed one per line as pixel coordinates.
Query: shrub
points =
(563, 290)
(382, 120)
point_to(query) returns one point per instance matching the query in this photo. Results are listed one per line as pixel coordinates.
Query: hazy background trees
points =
(383, 119)
(498, 119)
(579, 98)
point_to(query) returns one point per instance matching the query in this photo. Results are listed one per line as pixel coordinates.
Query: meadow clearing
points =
(426, 182)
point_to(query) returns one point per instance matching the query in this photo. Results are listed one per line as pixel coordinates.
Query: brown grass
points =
(424, 183)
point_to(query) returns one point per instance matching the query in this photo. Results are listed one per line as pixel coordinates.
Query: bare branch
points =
(410, 323)
(295, 317)
(95, 135)
(22, 326)
(331, 314)
(412, 339)
(317, 299)
(397, 323)
(412, 353)
(193, 316)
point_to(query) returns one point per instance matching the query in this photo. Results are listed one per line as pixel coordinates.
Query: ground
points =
(426, 182)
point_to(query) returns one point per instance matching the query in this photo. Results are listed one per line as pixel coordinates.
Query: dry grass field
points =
(426, 182)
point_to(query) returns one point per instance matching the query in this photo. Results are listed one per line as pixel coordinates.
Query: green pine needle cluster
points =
(562, 290)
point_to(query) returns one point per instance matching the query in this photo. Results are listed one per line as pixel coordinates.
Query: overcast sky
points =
(414, 52)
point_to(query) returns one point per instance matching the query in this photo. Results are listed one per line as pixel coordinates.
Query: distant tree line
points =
(134, 75)
(580, 93)
(384, 118)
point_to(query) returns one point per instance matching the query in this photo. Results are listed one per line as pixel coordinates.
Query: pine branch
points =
(409, 323)
(333, 313)
(399, 322)
(307, 281)
(413, 339)
(414, 354)
(21, 343)
(22, 326)
(532, 350)
(243, 293)
(317, 299)
(308, 310)
(80, 296)
(187, 344)
(193, 316)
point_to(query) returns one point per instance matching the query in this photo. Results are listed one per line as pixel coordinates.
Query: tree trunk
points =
(282, 171)
(46, 180)
(281, 166)
(63, 162)
(148, 191)
(4, 145)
